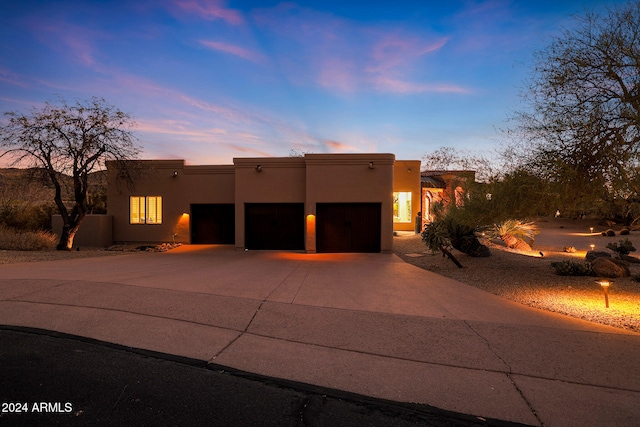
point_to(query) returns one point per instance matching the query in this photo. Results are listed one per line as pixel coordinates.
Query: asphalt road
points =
(48, 378)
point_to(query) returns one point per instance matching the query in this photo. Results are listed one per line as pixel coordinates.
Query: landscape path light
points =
(605, 287)
(592, 246)
(591, 228)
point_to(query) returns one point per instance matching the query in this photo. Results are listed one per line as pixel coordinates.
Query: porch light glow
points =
(311, 231)
(311, 223)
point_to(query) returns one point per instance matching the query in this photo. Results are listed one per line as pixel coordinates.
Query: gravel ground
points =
(532, 281)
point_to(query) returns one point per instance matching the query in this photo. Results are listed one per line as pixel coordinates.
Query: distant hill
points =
(33, 186)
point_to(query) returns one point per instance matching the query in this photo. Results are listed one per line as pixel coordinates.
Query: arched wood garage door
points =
(213, 223)
(277, 226)
(348, 227)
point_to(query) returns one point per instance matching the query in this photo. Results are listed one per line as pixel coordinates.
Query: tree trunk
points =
(66, 237)
(69, 229)
(451, 257)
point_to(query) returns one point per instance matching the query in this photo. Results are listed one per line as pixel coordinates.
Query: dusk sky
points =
(210, 80)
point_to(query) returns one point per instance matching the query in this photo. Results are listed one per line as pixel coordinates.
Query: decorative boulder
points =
(592, 255)
(608, 267)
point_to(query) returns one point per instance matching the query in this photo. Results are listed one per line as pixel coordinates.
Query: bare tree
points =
(450, 158)
(583, 126)
(71, 140)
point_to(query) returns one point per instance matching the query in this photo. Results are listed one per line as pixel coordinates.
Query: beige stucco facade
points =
(357, 186)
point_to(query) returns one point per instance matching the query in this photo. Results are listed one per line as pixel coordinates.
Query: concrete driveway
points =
(364, 323)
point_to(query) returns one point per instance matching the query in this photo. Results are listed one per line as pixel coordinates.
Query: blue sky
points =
(210, 80)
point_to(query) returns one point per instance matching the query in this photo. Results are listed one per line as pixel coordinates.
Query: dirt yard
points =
(533, 282)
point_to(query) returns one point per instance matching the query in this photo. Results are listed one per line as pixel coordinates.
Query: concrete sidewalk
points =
(364, 323)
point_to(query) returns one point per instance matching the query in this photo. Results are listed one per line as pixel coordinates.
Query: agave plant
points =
(514, 233)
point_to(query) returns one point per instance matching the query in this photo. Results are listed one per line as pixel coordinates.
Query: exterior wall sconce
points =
(175, 173)
(259, 168)
(371, 165)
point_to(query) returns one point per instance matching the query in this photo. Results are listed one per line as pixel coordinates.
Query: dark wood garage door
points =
(348, 227)
(274, 226)
(213, 223)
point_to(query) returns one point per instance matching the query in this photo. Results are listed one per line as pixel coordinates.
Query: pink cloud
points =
(394, 51)
(235, 50)
(11, 78)
(337, 73)
(242, 149)
(388, 84)
(77, 42)
(344, 56)
(338, 146)
(211, 10)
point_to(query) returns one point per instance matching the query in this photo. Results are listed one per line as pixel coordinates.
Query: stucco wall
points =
(352, 178)
(179, 185)
(266, 180)
(95, 231)
(312, 179)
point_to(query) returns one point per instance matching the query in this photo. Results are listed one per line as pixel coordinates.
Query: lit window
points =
(402, 207)
(145, 210)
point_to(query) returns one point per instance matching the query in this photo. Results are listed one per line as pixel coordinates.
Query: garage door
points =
(274, 226)
(348, 227)
(213, 223)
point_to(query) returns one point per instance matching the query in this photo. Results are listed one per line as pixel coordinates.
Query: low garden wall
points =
(95, 231)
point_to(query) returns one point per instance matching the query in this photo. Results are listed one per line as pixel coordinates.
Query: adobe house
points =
(315, 203)
(442, 187)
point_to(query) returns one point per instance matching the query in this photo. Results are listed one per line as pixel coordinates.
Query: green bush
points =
(623, 248)
(15, 240)
(572, 268)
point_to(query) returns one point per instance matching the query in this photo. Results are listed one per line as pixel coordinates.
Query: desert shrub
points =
(572, 268)
(609, 233)
(625, 232)
(17, 240)
(27, 216)
(623, 247)
(513, 227)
